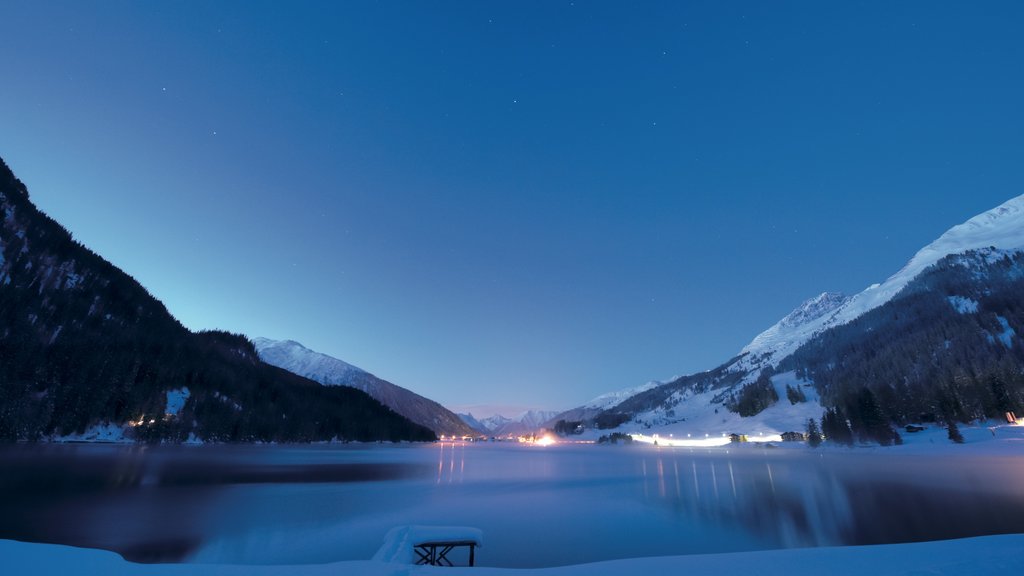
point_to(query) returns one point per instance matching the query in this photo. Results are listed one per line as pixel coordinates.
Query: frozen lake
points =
(537, 506)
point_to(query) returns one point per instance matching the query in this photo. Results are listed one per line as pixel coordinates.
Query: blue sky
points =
(522, 204)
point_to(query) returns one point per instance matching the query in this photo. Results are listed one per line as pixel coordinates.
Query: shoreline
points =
(981, 556)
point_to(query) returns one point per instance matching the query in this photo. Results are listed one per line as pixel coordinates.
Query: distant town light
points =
(705, 443)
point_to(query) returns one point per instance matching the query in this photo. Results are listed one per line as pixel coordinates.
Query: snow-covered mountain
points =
(592, 408)
(876, 319)
(524, 423)
(298, 359)
(1001, 228)
(330, 371)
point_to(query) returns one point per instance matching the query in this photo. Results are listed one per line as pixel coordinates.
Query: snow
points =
(963, 305)
(227, 400)
(176, 400)
(987, 438)
(611, 399)
(983, 556)
(697, 416)
(534, 419)
(1001, 228)
(97, 433)
(296, 358)
(1006, 336)
(400, 541)
(524, 422)
(71, 278)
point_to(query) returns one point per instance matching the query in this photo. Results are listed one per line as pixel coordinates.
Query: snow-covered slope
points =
(1001, 228)
(330, 371)
(298, 359)
(610, 399)
(700, 412)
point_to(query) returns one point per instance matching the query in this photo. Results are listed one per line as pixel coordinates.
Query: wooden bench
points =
(430, 545)
(436, 553)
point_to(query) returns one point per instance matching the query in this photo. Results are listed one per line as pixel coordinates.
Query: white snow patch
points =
(96, 433)
(176, 400)
(1006, 336)
(399, 542)
(227, 400)
(963, 305)
(72, 280)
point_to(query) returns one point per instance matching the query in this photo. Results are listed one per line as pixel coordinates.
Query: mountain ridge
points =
(84, 346)
(330, 371)
(988, 244)
(528, 422)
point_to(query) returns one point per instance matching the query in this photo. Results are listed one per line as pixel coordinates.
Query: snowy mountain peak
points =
(793, 329)
(813, 309)
(535, 419)
(525, 423)
(1001, 228)
(295, 357)
(327, 370)
(611, 399)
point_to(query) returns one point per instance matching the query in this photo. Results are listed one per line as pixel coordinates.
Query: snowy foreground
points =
(981, 556)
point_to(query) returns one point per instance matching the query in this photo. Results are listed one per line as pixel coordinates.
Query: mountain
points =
(330, 371)
(937, 341)
(84, 347)
(1001, 227)
(590, 410)
(527, 422)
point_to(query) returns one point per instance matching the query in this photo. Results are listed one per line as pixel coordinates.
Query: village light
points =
(705, 443)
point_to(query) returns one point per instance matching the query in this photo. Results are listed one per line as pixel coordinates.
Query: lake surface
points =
(537, 506)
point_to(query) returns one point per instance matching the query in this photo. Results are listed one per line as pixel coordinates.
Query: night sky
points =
(522, 204)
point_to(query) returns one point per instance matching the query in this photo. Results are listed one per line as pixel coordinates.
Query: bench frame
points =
(436, 553)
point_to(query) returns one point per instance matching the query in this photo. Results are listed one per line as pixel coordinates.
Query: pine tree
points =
(872, 422)
(953, 431)
(835, 427)
(795, 394)
(813, 434)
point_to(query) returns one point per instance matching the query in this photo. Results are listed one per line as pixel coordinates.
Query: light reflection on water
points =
(537, 506)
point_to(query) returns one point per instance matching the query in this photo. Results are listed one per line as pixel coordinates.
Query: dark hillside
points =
(83, 343)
